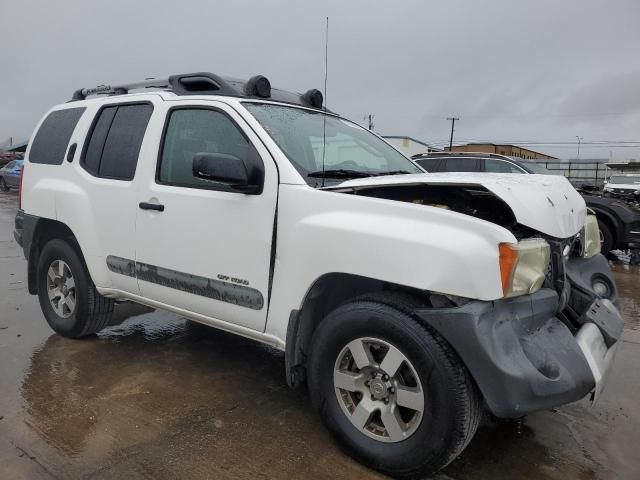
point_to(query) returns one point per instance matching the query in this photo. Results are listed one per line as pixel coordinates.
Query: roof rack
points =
(462, 154)
(205, 83)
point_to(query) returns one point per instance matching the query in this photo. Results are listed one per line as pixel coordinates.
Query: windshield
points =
(350, 151)
(538, 168)
(626, 179)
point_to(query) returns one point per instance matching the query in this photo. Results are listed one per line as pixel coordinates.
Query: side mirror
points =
(224, 168)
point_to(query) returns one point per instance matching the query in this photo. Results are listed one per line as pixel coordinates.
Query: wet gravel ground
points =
(158, 397)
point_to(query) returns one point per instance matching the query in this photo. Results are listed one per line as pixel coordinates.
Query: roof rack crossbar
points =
(182, 84)
(463, 154)
(123, 88)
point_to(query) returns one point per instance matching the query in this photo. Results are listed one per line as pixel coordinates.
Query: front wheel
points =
(606, 238)
(391, 390)
(69, 300)
(3, 185)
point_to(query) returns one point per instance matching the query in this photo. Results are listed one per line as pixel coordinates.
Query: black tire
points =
(607, 240)
(453, 407)
(92, 311)
(3, 185)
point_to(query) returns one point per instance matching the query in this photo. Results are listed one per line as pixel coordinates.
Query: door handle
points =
(151, 206)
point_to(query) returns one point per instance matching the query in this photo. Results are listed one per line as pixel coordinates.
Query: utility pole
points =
(453, 122)
(368, 117)
(579, 140)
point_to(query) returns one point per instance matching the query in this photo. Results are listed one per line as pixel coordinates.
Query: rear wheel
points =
(3, 185)
(391, 390)
(69, 300)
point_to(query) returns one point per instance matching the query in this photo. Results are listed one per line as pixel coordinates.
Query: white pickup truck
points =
(409, 303)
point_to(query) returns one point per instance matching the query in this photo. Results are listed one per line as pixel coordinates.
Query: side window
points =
(498, 166)
(50, 143)
(114, 146)
(10, 165)
(190, 131)
(429, 164)
(93, 151)
(122, 147)
(460, 165)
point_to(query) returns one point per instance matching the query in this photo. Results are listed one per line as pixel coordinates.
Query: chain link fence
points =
(591, 174)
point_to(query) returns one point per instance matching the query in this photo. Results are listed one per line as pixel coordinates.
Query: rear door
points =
(109, 165)
(205, 248)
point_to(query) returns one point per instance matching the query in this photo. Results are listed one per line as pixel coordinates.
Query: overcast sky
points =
(523, 71)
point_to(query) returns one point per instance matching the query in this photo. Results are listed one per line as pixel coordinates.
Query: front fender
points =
(417, 246)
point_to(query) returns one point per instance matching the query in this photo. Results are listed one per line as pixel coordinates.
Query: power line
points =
(551, 142)
(543, 115)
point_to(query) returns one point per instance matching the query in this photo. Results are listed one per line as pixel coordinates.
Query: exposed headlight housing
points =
(523, 266)
(590, 237)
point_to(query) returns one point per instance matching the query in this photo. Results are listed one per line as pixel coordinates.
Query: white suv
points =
(409, 303)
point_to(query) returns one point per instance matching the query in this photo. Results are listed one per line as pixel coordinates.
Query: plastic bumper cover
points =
(522, 357)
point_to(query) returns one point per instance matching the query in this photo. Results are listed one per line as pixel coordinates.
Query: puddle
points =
(628, 282)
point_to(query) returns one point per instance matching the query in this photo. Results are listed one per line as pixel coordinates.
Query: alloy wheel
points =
(378, 389)
(61, 288)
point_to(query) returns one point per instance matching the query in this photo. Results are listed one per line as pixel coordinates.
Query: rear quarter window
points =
(52, 139)
(461, 165)
(122, 146)
(429, 164)
(115, 139)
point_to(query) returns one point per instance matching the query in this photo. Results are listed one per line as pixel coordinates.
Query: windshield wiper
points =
(340, 173)
(392, 172)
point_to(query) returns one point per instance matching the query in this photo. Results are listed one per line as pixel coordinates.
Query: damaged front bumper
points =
(523, 356)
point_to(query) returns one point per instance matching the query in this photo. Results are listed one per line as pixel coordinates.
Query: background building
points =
(410, 146)
(509, 150)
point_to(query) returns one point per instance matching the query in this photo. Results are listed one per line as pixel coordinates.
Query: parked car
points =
(10, 175)
(625, 185)
(477, 162)
(619, 220)
(408, 303)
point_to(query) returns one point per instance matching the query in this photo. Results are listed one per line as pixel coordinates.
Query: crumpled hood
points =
(546, 203)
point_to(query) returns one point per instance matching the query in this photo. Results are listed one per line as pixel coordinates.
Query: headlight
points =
(523, 266)
(590, 237)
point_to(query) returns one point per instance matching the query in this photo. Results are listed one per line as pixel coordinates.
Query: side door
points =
(204, 247)
(109, 168)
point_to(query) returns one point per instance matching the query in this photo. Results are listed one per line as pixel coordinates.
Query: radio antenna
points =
(324, 116)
